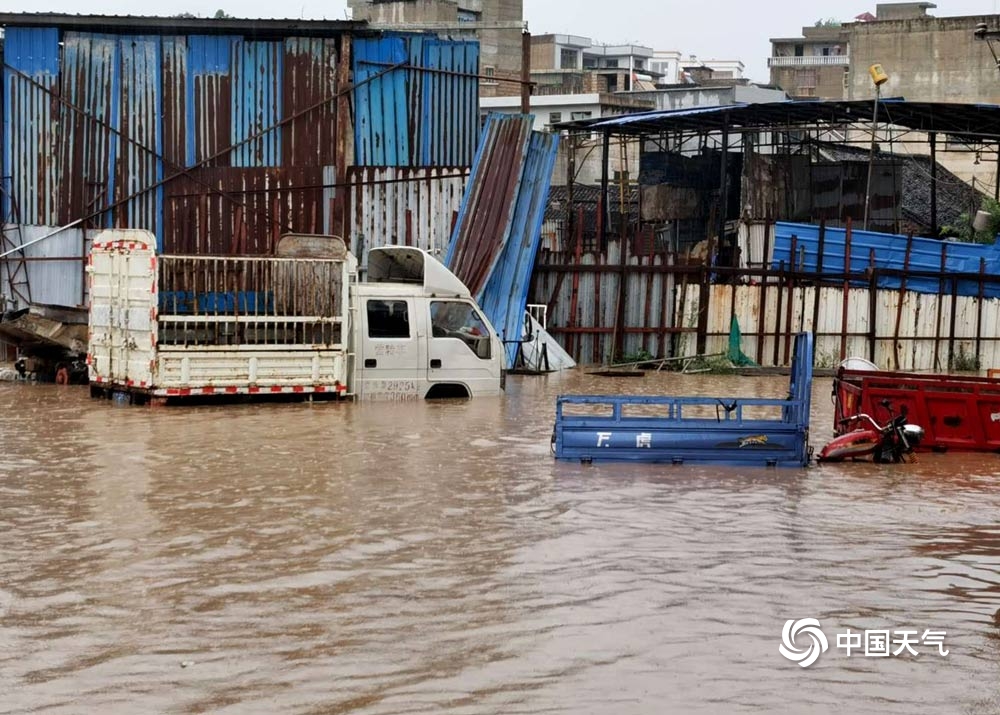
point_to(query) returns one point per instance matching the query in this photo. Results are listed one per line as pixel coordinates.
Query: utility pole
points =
(879, 78)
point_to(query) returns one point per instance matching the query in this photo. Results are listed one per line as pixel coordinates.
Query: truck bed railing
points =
(250, 301)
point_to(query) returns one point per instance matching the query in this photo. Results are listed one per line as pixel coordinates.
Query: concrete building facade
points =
(621, 66)
(812, 66)
(552, 109)
(928, 59)
(497, 24)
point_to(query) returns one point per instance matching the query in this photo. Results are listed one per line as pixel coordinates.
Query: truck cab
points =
(419, 333)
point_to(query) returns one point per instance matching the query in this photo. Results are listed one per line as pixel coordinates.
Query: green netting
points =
(735, 355)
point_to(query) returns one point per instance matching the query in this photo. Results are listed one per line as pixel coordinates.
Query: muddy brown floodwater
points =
(434, 558)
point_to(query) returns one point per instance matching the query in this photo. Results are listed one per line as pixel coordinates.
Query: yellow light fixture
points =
(879, 77)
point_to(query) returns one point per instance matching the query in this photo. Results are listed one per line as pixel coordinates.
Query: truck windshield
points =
(454, 319)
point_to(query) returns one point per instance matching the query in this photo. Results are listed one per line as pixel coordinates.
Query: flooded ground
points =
(433, 557)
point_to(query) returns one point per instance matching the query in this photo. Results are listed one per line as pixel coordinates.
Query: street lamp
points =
(879, 77)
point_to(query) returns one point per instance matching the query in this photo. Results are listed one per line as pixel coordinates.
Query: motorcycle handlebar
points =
(862, 415)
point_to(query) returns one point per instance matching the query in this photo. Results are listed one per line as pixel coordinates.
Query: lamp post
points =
(879, 77)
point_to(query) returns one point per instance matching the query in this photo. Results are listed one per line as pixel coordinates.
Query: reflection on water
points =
(433, 557)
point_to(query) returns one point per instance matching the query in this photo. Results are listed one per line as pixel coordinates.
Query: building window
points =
(580, 115)
(489, 74)
(640, 64)
(806, 78)
(567, 59)
(555, 117)
(589, 63)
(611, 63)
(468, 16)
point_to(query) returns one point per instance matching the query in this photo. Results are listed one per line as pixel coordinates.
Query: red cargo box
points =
(957, 412)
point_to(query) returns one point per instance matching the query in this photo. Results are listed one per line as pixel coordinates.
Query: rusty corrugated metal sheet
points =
(208, 89)
(87, 83)
(310, 76)
(405, 207)
(31, 121)
(129, 111)
(137, 147)
(484, 221)
(505, 293)
(174, 74)
(426, 114)
(202, 222)
(838, 192)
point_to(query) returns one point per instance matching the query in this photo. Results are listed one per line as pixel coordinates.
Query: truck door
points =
(391, 354)
(462, 348)
(123, 281)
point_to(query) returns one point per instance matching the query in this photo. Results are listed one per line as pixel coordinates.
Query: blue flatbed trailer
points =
(680, 433)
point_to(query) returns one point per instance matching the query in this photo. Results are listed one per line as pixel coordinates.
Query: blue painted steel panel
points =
(30, 123)
(890, 253)
(381, 126)
(209, 67)
(505, 295)
(450, 110)
(256, 104)
(427, 115)
(673, 437)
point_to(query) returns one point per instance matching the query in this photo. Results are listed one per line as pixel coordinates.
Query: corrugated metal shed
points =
(416, 102)
(115, 125)
(220, 139)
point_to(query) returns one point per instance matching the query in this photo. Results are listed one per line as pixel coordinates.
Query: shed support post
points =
(605, 160)
(934, 216)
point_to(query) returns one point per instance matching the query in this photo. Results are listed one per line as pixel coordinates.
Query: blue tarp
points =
(889, 253)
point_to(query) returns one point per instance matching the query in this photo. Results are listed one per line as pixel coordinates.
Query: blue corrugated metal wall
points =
(256, 104)
(30, 121)
(889, 252)
(381, 120)
(425, 115)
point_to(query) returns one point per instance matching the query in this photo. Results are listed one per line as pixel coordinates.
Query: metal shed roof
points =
(133, 24)
(982, 120)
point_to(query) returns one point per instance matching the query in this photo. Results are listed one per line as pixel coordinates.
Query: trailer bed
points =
(682, 430)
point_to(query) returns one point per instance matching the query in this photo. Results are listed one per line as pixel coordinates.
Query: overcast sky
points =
(710, 29)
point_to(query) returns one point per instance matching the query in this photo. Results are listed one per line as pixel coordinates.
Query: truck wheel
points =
(62, 375)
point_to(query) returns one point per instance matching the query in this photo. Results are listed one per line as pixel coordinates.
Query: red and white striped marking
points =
(251, 390)
(120, 246)
(335, 389)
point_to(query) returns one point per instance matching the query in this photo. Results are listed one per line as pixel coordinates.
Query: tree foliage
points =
(964, 231)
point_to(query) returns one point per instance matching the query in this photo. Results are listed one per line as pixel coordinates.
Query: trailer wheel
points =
(62, 375)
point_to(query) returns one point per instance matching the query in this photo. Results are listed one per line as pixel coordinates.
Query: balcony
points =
(810, 61)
